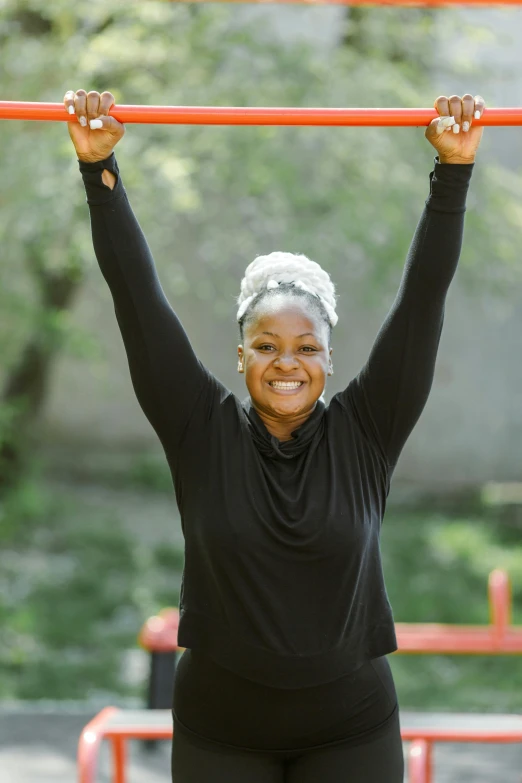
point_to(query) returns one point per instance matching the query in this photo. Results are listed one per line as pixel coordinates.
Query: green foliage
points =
(458, 683)
(211, 198)
(169, 557)
(460, 551)
(402, 36)
(218, 196)
(75, 588)
(437, 568)
(74, 591)
(151, 472)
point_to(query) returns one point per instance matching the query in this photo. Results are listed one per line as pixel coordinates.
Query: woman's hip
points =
(219, 706)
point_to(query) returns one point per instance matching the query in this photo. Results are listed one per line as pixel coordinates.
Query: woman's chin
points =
(288, 408)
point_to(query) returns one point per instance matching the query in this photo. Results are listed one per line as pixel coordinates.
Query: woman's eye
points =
(270, 348)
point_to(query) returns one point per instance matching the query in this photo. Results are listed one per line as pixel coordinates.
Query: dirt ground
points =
(40, 747)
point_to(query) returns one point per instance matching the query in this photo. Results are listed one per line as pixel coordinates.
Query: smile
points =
(286, 385)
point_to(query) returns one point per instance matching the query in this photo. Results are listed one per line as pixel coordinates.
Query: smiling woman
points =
(286, 314)
(284, 612)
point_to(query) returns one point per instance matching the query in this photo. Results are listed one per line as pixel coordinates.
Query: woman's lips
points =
(286, 387)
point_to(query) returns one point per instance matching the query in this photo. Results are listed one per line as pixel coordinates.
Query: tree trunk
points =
(26, 386)
(367, 31)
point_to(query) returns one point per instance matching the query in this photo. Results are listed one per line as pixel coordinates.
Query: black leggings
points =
(231, 730)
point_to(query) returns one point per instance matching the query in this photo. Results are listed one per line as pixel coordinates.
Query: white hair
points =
(267, 272)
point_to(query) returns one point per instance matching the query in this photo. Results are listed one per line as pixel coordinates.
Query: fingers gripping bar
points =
(234, 115)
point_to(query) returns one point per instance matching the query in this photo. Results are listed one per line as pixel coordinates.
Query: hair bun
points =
(270, 270)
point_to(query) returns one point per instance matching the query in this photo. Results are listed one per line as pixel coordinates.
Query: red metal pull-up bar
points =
(234, 115)
(432, 3)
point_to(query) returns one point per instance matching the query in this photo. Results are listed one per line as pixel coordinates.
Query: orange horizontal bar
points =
(462, 735)
(140, 731)
(435, 735)
(235, 115)
(457, 640)
(370, 2)
(164, 730)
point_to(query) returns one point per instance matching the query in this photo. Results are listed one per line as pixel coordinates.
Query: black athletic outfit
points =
(283, 606)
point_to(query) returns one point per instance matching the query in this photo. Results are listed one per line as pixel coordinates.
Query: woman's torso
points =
(282, 549)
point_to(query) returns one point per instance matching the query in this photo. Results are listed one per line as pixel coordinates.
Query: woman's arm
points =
(391, 391)
(166, 374)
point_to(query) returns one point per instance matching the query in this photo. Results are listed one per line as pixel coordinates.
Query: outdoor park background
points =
(90, 541)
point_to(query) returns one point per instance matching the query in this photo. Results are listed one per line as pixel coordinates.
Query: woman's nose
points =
(286, 360)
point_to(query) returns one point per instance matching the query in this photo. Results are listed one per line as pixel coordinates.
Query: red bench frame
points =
(420, 760)
(499, 637)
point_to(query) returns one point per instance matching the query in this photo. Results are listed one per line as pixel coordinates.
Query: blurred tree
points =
(404, 36)
(209, 199)
(348, 197)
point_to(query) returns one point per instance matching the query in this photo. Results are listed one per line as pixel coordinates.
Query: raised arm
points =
(391, 390)
(166, 374)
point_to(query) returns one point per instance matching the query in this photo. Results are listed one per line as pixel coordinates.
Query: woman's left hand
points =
(453, 134)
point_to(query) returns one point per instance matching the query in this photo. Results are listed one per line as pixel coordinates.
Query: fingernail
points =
(83, 121)
(71, 109)
(448, 121)
(477, 115)
(456, 128)
(465, 127)
(95, 124)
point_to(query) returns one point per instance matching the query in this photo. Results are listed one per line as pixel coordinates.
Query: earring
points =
(330, 371)
(240, 366)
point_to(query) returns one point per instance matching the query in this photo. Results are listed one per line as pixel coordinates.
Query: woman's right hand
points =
(91, 144)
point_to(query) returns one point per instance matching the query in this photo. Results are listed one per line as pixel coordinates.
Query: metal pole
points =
(433, 3)
(236, 115)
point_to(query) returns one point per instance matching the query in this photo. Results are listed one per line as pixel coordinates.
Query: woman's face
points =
(285, 357)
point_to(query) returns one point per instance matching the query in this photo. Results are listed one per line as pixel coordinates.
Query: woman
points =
(284, 611)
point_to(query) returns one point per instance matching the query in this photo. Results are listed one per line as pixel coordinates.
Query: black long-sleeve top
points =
(283, 580)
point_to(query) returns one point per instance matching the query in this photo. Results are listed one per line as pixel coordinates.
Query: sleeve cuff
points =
(449, 183)
(97, 192)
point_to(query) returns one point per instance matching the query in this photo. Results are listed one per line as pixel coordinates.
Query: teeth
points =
(286, 384)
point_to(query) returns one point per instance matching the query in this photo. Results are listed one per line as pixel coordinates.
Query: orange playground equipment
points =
(119, 726)
(159, 636)
(430, 3)
(245, 115)
(498, 637)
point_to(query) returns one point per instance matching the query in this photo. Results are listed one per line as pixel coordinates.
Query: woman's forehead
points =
(285, 316)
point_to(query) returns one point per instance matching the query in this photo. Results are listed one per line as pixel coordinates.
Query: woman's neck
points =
(282, 427)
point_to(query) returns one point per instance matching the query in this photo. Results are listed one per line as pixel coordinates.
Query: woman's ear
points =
(240, 362)
(330, 365)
